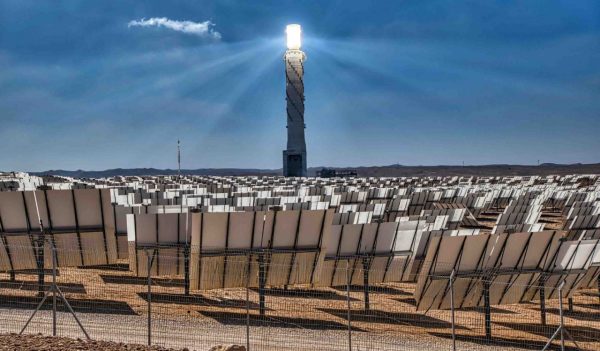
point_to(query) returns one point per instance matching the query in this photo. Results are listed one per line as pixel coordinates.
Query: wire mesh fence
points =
(358, 312)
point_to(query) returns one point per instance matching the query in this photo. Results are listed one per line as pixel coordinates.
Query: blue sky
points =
(409, 82)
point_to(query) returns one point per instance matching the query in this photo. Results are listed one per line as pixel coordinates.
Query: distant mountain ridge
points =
(363, 171)
(155, 171)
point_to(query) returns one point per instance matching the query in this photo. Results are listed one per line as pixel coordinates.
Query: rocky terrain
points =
(15, 342)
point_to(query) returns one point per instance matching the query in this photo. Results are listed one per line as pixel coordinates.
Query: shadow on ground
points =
(73, 288)
(78, 305)
(120, 279)
(375, 290)
(233, 318)
(304, 293)
(197, 300)
(121, 267)
(579, 332)
(397, 318)
(578, 315)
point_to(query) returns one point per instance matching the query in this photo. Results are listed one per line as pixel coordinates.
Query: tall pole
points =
(186, 248)
(294, 157)
(53, 290)
(178, 161)
(452, 310)
(149, 297)
(39, 242)
(261, 270)
(248, 308)
(186, 269)
(348, 307)
(562, 320)
(262, 278)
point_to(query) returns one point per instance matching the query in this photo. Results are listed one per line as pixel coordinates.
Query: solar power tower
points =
(294, 158)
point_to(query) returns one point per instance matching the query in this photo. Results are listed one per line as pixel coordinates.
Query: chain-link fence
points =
(112, 303)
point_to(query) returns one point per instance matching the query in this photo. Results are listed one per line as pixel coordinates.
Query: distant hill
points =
(371, 171)
(154, 171)
(483, 170)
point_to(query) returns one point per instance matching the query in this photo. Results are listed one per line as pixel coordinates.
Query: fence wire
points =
(114, 304)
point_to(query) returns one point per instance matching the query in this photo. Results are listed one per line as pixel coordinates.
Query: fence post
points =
(149, 297)
(560, 310)
(262, 279)
(248, 304)
(53, 290)
(365, 266)
(186, 270)
(452, 309)
(486, 306)
(562, 330)
(542, 291)
(39, 243)
(348, 305)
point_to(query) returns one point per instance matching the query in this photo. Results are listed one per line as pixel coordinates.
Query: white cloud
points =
(203, 29)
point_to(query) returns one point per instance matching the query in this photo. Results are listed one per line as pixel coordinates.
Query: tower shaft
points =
(294, 157)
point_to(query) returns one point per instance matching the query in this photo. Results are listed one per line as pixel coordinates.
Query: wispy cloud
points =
(203, 29)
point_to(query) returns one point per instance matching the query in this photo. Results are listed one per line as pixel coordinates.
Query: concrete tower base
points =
(294, 163)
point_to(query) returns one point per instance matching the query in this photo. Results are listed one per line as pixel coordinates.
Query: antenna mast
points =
(178, 160)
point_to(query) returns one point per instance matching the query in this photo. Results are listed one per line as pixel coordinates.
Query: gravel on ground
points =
(48, 343)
